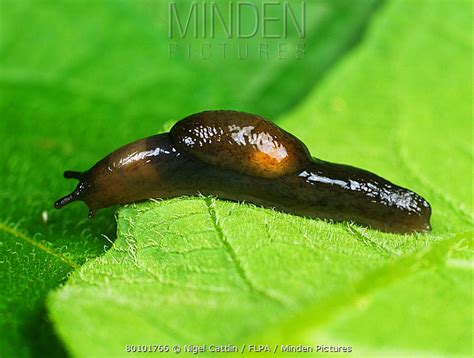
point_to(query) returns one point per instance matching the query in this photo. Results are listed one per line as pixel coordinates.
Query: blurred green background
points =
(382, 85)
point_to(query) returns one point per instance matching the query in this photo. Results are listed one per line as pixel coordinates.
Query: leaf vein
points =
(38, 245)
(210, 204)
(364, 239)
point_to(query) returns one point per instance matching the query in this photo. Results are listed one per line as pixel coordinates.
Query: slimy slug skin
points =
(244, 157)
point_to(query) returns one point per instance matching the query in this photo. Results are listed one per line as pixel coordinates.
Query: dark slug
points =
(243, 157)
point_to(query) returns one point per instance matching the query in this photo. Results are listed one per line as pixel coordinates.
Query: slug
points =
(244, 157)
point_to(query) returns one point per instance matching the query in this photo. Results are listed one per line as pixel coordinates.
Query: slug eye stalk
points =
(68, 174)
(64, 201)
(77, 194)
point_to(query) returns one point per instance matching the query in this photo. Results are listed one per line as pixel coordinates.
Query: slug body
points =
(243, 157)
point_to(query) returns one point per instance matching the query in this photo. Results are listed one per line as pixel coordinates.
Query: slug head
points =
(81, 193)
(242, 142)
(129, 174)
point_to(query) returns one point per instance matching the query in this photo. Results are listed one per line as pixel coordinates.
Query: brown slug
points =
(244, 157)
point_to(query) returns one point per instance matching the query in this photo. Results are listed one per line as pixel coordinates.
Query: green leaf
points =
(80, 78)
(199, 270)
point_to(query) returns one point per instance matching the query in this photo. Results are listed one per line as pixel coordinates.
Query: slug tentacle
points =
(80, 193)
(243, 157)
(69, 174)
(64, 201)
